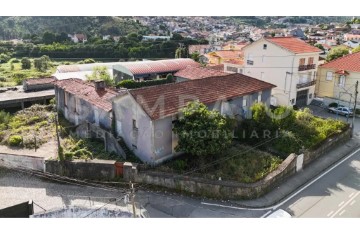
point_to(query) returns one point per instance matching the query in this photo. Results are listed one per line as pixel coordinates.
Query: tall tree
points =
(25, 63)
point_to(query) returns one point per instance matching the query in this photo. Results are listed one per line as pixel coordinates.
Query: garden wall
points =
(214, 188)
(231, 189)
(326, 146)
(91, 169)
(23, 161)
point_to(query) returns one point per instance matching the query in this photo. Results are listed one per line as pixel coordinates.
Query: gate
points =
(302, 97)
(119, 168)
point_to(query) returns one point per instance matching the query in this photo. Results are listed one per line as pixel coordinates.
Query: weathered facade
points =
(144, 117)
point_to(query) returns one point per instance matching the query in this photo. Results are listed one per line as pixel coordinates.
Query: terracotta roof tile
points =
(228, 54)
(235, 61)
(207, 90)
(293, 44)
(86, 91)
(194, 73)
(219, 67)
(349, 62)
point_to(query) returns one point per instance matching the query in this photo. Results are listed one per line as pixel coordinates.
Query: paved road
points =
(18, 187)
(337, 194)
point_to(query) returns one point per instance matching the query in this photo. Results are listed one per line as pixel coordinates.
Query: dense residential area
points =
(179, 116)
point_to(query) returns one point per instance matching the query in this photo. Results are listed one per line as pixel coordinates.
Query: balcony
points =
(305, 84)
(307, 67)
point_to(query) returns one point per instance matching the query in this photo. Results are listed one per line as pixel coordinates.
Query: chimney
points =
(99, 85)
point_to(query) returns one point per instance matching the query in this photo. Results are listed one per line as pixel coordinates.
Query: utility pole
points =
(57, 131)
(133, 198)
(354, 111)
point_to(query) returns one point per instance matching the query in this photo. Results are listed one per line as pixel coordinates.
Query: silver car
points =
(345, 111)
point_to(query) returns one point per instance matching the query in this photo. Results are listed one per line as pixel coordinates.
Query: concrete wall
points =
(215, 188)
(271, 65)
(80, 212)
(91, 169)
(25, 161)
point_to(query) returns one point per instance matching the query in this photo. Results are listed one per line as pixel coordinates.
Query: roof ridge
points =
(348, 55)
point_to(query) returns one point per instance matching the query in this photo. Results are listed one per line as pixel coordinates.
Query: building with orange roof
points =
(220, 56)
(287, 62)
(337, 78)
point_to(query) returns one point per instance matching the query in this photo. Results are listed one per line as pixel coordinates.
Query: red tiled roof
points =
(37, 81)
(228, 54)
(219, 67)
(342, 72)
(235, 61)
(160, 66)
(86, 91)
(349, 62)
(194, 73)
(207, 91)
(293, 44)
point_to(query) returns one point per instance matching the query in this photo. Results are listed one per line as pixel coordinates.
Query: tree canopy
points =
(101, 73)
(336, 53)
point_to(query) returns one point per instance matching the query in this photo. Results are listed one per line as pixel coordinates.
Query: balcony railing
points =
(307, 67)
(306, 84)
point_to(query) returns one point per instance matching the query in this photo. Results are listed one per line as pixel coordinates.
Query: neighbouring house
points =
(337, 78)
(38, 84)
(201, 49)
(351, 37)
(144, 117)
(220, 56)
(78, 38)
(148, 70)
(234, 45)
(287, 62)
(296, 32)
(352, 44)
(234, 66)
(193, 73)
(81, 101)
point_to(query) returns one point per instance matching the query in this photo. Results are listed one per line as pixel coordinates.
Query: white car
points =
(279, 214)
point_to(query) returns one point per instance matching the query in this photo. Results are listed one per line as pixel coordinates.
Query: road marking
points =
(352, 203)
(341, 203)
(330, 213)
(316, 179)
(351, 195)
(266, 214)
(292, 195)
(342, 212)
(345, 204)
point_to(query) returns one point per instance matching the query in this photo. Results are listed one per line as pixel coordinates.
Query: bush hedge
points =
(15, 140)
(131, 84)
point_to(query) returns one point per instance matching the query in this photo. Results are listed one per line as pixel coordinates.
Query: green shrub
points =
(15, 140)
(61, 153)
(89, 60)
(14, 60)
(69, 155)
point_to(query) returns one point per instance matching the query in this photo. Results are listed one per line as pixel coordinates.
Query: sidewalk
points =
(293, 183)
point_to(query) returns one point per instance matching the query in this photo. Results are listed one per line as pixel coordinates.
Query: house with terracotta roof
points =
(234, 66)
(287, 62)
(144, 117)
(338, 76)
(194, 73)
(81, 101)
(220, 56)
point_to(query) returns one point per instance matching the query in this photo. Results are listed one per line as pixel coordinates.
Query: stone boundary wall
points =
(22, 161)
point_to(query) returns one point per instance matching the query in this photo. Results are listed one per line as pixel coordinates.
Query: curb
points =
(274, 202)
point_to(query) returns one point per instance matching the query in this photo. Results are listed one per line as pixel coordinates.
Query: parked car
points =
(345, 111)
(280, 213)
